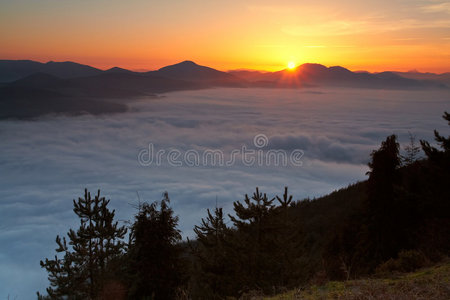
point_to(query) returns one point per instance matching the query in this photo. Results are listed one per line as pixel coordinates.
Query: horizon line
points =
(144, 69)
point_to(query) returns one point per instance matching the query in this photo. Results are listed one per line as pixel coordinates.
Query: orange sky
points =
(140, 34)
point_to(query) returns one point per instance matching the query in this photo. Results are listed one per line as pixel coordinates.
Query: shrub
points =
(407, 261)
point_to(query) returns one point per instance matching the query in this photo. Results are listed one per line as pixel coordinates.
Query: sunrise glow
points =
(359, 35)
(291, 65)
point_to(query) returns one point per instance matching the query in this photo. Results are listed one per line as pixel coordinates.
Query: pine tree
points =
(254, 240)
(156, 265)
(434, 154)
(255, 212)
(287, 242)
(412, 150)
(438, 172)
(82, 270)
(382, 209)
(213, 257)
(436, 204)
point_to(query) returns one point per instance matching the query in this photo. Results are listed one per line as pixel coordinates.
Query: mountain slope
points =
(320, 75)
(26, 82)
(444, 77)
(118, 70)
(28, 103)
(188, 70)
(11, 70)
(41, 93)
(428, 283)
(105, 85)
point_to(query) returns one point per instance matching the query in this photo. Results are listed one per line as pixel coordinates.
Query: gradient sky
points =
(370, 35)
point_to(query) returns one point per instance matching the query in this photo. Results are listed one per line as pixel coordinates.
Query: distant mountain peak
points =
(67, 63)
(188, 62)
(11, 70)
(118, 70)
(52, 62)
(311, 65)
(189, 70)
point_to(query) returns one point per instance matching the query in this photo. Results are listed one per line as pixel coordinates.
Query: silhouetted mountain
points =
(11, 70)
(188, 70)
(119, 85)
(69, 69)
(21, 102)
(304, 75)
(38, 80)
(106, 85)
(250, 75)
(41, 93)
(319, 75)
(118, 70)
(38, 85)
(443, 78)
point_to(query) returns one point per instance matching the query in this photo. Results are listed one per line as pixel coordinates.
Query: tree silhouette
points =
(156, 265)
(83, 269)
(434, 154)
(287, 241)
(412, 150)
(255, 212)
(214, 257)
(436, 207)
(382, 208)
(254, 239)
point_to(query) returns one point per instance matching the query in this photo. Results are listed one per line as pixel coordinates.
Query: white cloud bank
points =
(47, 163)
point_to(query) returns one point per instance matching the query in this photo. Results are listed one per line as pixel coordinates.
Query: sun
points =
(291, 65)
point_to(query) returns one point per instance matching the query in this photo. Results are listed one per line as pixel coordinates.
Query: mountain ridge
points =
(44, 83)
(12, 70)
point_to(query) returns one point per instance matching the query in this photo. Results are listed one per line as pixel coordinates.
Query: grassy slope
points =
(429, 283)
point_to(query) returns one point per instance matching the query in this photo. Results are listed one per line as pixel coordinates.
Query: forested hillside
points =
(397, 220)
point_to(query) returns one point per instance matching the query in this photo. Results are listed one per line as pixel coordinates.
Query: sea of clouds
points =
(48, 162)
